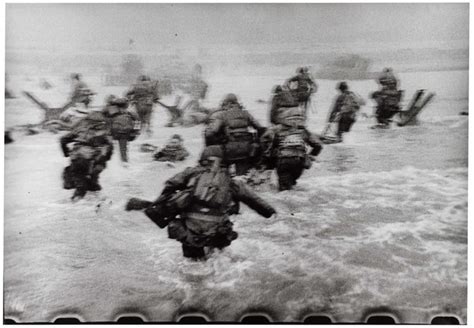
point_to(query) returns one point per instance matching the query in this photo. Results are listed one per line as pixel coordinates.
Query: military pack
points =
(212, 189)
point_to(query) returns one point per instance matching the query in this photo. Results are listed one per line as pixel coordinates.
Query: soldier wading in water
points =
(195, 205)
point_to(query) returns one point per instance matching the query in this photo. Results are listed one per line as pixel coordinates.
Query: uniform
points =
(210, 191)
(284, 147)
(388, 98)
(143, 94)
(80, 92)
(230, 127)
(344, 109)
(122, 124)
(305, 87)
(91, 149)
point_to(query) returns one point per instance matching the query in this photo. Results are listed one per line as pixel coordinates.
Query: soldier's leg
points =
(297, 169)
(285, 176)
(148, 113)
(242, 166)
(193, 252)
(123, 149)
(80, 170)
(94, 180)
(68, 179)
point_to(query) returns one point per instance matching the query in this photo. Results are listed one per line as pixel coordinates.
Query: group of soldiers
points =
(195, 204)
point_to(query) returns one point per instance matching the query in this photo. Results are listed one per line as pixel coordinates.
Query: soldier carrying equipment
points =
(284, 148)
(198, 202)
(344, 111)
(305, 87)
(123, 123)
(230, 127)
(92, 148)
(143, 95)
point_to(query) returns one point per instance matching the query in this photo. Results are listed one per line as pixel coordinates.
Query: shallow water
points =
(379, 221)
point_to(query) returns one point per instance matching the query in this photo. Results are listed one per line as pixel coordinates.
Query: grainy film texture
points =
(236, 162)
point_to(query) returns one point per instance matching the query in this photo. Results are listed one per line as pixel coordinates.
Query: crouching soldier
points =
(174, 151)
(91, 149)
(195, 205)
(284, 148)
(388, 98)
(124, 124)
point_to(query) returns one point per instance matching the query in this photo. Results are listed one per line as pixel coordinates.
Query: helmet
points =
(110, 99)
(143, 78)
(75, 76)
(211, 151)
(121, 102)
(177, 137)
(230, 98)
(342, 86)
(277, 89)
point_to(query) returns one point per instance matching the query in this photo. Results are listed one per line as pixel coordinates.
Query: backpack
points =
(292, 144)
(239, 140)
(212, 189)
(122, 123)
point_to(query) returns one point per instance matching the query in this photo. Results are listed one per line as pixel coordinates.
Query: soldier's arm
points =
(256, 125)
(335, 108)
(251, 199)
(314, 141)
(293, 79)
(273, 113)
(134, 115)
(177, 182)
(215, 124)
(314, 85)
(65, 140)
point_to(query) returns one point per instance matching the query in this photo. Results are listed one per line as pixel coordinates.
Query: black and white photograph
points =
(236, 163)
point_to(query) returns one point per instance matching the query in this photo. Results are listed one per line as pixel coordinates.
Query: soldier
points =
(284, 148)
(230, 127)
(91, 149)
(202, 197)
(305, 86)
(388, 98)
(344, 110)
(80, 91)
(174, 151)
(197, 89)
(143, 95)
(123, 124)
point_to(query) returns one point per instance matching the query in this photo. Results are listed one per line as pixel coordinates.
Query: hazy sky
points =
(94, 25)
